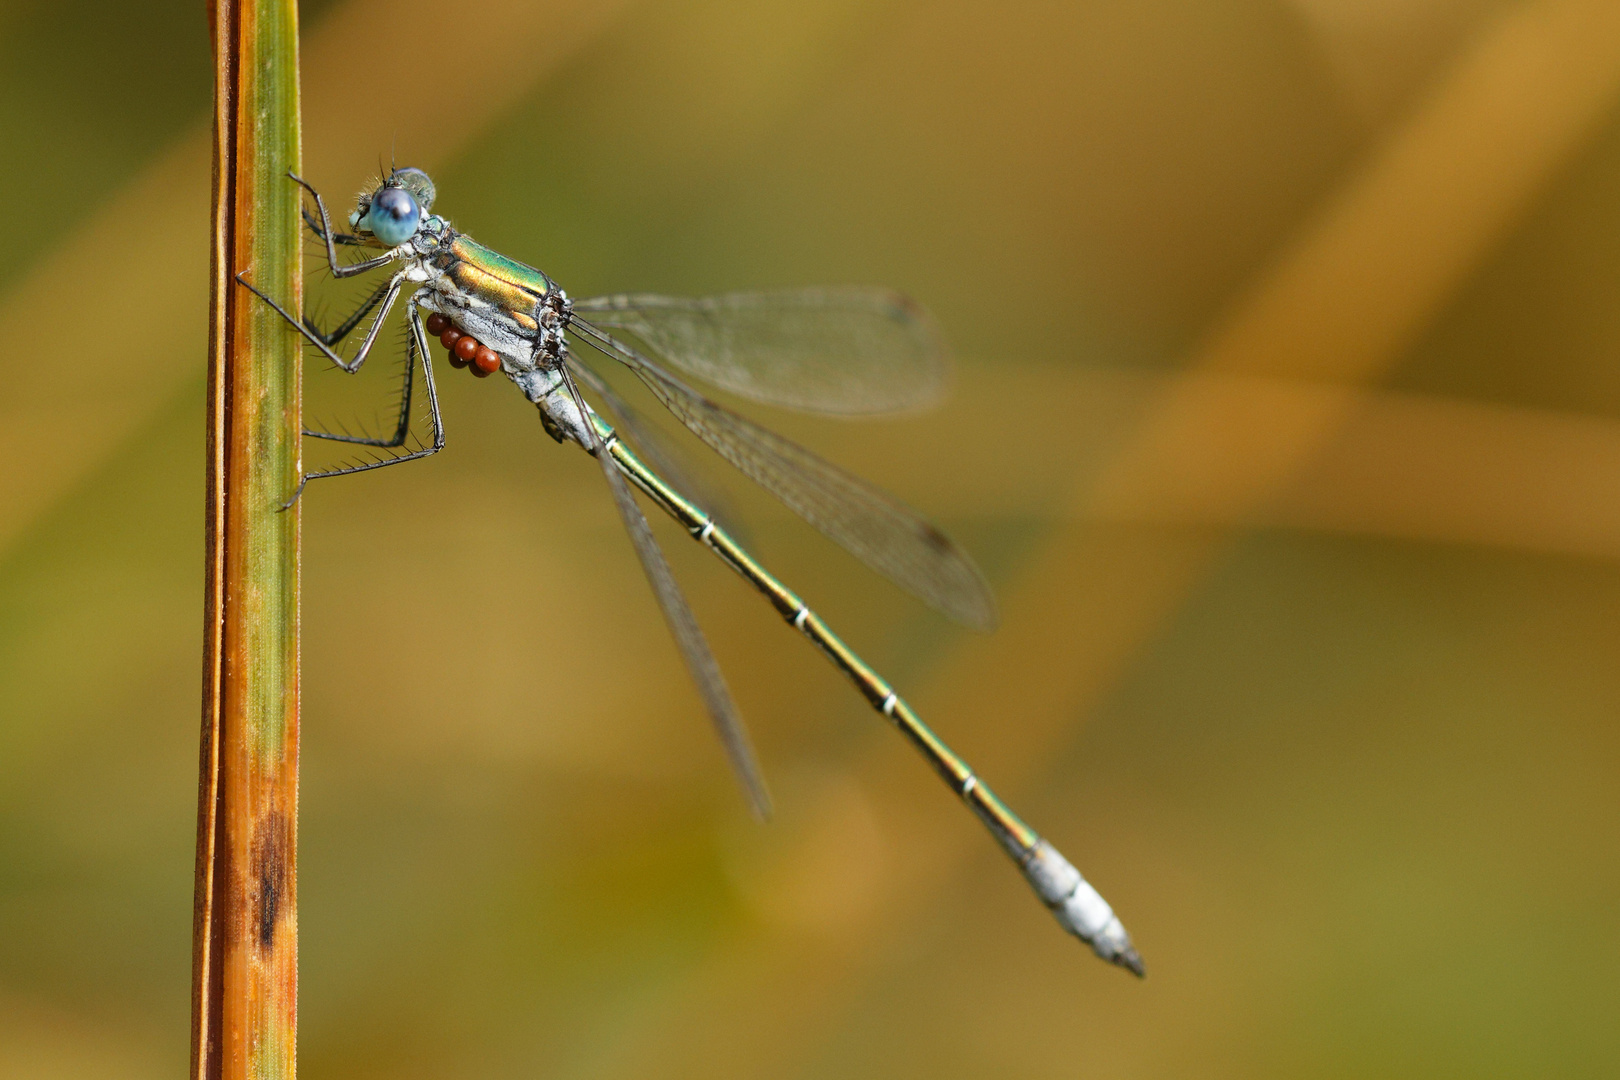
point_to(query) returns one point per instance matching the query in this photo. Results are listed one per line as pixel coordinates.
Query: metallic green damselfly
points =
(838, 351)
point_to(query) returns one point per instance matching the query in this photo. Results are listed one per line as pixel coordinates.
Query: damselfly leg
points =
(346, 327)
(343, 329)
(390, 294)
(339, 270)
(337, 238)
(416, 342)
(381, 299)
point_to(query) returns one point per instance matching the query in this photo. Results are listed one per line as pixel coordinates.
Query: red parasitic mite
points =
(486, 361)
(450, 338)
(437, 324)
(466, 348)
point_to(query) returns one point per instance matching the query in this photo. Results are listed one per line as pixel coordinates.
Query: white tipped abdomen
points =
(1079, 908)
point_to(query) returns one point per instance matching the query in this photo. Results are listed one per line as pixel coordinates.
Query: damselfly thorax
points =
(838, 351)
(493, 314)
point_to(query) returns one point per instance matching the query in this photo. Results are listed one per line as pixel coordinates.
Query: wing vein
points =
(689, 638)
(869, 523)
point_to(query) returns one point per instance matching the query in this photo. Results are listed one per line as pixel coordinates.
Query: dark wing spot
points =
(935, 539)
(903, 309)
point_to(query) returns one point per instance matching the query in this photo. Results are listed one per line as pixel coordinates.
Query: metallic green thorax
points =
(495, 263)
(506, 282)
(1019, 840)
(499, 301)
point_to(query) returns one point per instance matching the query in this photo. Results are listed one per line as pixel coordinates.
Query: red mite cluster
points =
(464, 351)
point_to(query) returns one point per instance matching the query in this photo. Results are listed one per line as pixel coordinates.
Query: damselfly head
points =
(395, 210)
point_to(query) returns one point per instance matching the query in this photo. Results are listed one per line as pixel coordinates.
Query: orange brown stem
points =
(245, 929)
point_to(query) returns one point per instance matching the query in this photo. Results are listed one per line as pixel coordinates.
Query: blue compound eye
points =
(394, 216)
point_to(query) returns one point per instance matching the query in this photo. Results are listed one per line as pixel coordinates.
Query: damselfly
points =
(837, 351)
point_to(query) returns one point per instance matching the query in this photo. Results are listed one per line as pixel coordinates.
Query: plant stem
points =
(245, 930)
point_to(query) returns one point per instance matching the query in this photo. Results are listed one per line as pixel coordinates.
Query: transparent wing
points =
(689, 638)
(668, 459)
(869, 523)
(846, 350)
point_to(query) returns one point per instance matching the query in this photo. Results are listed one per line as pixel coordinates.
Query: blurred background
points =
(1286, 423)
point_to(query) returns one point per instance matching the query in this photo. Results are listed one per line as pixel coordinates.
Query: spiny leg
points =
(346, 327)
(416, 343)
(338, 269)
(386, 294)
(350, 366)
(339, 238)
(402, 428)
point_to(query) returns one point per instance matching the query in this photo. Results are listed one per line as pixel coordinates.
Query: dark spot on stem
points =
(270, 846)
